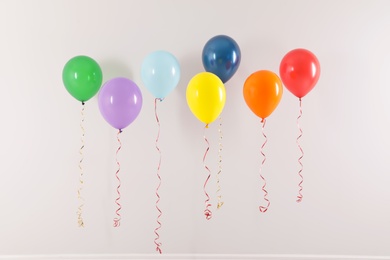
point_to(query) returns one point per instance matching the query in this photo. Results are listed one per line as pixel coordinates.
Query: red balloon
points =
(299, 71)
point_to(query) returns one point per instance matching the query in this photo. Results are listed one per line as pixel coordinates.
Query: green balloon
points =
(82, 77)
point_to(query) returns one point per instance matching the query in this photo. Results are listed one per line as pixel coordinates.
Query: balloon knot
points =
(120, 130)
(207, 126)
(82, 103)
(262, 120)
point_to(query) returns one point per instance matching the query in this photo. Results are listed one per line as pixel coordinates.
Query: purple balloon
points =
(120, 101)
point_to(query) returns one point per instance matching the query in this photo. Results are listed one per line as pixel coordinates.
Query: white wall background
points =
(346, 206)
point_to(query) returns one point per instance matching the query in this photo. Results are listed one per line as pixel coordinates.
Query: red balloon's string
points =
(156, 240)
(263, 208)
(300, 196)
(207, 211)
(118, 218)
(81, 181)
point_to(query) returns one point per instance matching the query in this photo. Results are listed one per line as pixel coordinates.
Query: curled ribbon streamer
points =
(156, 240)
(118, 218)
(263, 208)
(219, 196)
(300, 196)
(81, 181)
(207, 211)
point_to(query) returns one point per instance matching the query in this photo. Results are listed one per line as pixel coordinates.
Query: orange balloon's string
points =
(156, 240)
(81, 181)
(263, 208)
(300, 196)
(207, 211)
(219, 196)
(118, 218)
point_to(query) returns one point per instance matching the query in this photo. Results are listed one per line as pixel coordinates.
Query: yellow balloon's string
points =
(219, 196)
(207, 212)
(81, 181)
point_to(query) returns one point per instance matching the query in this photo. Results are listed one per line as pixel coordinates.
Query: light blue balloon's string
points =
(207, 211)
(219, 196)
(81, 181)
(263, 208)
(156, 240)
(300, 196)
(118, 218)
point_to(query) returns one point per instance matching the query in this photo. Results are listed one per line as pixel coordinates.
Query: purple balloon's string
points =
(81, 181)
(263, 208)
(219, 196)
(156, 240)
(118, 218)
(300, 196)
(207, 211)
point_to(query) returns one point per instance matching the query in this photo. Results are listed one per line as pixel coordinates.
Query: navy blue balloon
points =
(221, 56)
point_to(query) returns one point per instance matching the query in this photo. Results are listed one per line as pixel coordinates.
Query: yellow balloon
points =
(206, 96)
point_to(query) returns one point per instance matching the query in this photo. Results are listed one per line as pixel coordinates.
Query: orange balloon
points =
(262, 92)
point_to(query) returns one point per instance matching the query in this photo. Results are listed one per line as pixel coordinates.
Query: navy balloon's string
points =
(300, 196)
(81, 181)
(156, 240)
(207, 212)
(263, 208)
(117, 219)
(219, 196)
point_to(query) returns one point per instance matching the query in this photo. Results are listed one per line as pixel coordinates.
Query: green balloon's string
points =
(81, 181)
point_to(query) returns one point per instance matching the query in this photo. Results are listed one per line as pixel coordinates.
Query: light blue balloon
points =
(160, 73)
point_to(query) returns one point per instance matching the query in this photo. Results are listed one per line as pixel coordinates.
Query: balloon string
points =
(300, 196)
(156, 240)
(118, 218)
(219, 196)
(207, 211)
(263, 208)
(81, 181)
